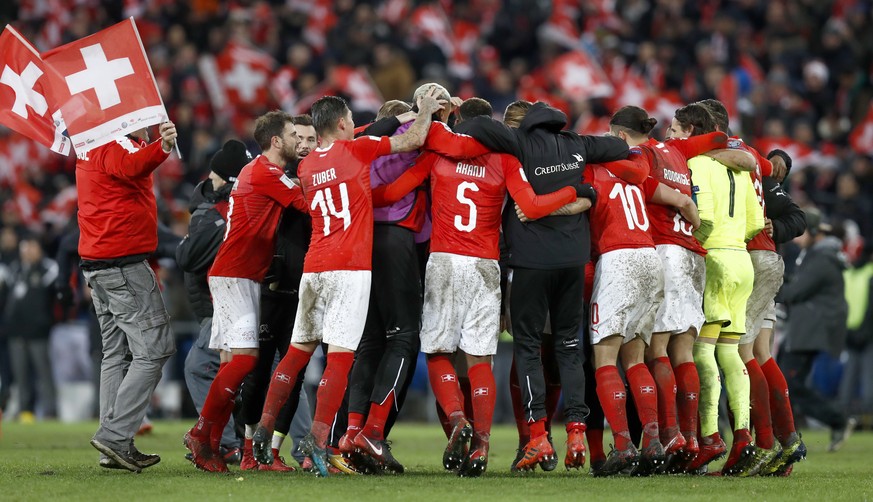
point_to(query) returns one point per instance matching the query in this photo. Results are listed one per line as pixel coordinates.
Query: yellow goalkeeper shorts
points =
(729, 281)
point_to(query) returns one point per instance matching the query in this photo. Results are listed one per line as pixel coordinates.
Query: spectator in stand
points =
(28, 322)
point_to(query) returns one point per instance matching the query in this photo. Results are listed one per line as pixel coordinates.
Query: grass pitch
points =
(50, 461)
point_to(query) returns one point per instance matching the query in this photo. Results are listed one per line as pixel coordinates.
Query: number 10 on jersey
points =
(324, 199)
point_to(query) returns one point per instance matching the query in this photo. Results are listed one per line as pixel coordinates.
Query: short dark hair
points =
(633, 119)
(303, 120)
(326, 113)
(475, 107)
(781, 153)
(695, 116)
(268, 125)
(719, 113)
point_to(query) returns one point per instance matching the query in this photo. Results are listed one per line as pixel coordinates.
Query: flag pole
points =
(154, 81)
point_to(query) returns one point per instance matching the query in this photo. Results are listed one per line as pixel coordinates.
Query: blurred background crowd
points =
(794, 74)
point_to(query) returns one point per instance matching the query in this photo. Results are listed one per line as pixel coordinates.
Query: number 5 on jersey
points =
(324, 199)
(463, 199)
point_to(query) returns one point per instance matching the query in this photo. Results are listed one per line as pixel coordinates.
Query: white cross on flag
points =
(104, 86)
(861, 137)
(580, 77)
(24, 106)
(238, 77)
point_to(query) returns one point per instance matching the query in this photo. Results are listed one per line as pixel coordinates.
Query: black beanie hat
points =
(230, 160)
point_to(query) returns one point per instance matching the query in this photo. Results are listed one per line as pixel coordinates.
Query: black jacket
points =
(197, 250)
(788, 219)
(29, 298)
(552, 158)
(816, 301)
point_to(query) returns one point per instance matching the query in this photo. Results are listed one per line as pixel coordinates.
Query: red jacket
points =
(117, 208)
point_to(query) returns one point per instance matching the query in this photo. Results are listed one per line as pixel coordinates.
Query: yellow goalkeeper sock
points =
(736, 382)
(710, 387)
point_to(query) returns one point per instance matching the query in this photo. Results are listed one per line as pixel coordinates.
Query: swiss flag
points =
(25, 104)
(238, 77)
(861, 137)
(358, 86)
(580, 77)
(104, 86)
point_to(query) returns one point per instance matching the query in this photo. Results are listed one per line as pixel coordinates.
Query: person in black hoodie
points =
(547, 259)
(195, 254)
(817, 312)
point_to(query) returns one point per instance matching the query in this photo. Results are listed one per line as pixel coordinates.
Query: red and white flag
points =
(358, 86)
(239, 77)
(104, 86)
(861, 137)
(25, 102)
(580, 77)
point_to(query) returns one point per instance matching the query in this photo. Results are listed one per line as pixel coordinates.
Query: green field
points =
(50, 461)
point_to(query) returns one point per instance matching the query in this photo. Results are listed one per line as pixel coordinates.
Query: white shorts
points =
(684, 281)
(332, 308)
(461, 305)
(628, 289)
(761, 309)
(236, 303)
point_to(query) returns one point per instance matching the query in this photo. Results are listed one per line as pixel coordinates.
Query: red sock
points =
(665, 381)
(613, 399)
(221, 366)
(219, 401)
(595, 444)
(330, 393)
(444, 382)
(377, 417)
(760, 399)
(518, 407)
(687, 395)
(282, 383)
(780, 404)
(537, 428)
(467, 392)
(642, 385)
(356, 423)
(484, 395)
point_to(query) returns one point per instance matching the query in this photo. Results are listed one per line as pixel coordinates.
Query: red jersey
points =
(669, 165)
(468, 198)
(336, 183)
(118, 215)
(762, 241)
(259, 194)
(618, 219)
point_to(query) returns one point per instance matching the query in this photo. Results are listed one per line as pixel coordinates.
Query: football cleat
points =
(794, 452)
(380, 451)
(537, 451)
(711, 448)
(476, 462)
(651, 459)
(339, 464)
(519, 454)
(762, 457)
(202, 455)
(459, 441)
(248, 462)
(262, 445)
(278, 464)
(741, 456)
(356, 458)
(575, 457)
(617, 461)
(317, 453)
(675, 445)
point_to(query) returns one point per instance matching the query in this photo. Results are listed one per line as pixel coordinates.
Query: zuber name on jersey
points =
(562, 167)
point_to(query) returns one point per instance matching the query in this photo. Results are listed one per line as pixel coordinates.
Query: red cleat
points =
(711, 448)
(537, 451)
(202, 455)
(278, 464)
(248, 462)
(675, 444)
(575, 458)
(742, 454)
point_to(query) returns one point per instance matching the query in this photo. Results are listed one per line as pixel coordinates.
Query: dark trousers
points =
(797, 367)
(558, 294)
(386, 357)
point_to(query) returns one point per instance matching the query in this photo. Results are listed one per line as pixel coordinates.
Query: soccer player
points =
(730, 216)
(335, 287)
(307, 139)
(194, 255)
(259, 194)
(462, 282)
(680, 314)
(780, 211)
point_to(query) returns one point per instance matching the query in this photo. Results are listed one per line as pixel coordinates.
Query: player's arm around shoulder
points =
(754, 212)
(415, 136)
(701, 168)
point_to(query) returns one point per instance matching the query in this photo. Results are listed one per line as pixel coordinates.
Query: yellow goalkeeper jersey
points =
(727, 199)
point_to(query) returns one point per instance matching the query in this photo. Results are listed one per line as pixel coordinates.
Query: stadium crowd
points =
(787, 81)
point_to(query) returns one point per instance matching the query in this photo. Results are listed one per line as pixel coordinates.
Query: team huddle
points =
(655, 259)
